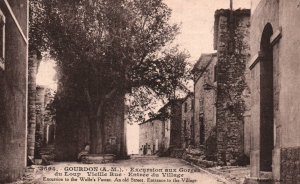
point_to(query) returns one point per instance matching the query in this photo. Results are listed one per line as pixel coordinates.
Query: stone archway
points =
(266, 101)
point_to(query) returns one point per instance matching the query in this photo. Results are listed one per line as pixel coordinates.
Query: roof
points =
(203, 62)
(191, 94)
(171, 102)
(150, 120)
(160, 114)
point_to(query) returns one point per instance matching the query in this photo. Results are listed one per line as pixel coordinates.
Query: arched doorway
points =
(266, 101)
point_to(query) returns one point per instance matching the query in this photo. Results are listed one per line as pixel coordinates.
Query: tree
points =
(107, 47)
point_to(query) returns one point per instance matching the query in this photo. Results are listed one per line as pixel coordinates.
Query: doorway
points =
(266, 101)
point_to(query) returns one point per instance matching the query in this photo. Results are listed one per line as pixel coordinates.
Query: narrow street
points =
(135, 170)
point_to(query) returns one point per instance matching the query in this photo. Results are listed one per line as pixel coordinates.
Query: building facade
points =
(274, 84)
(205, 103)
(13, 88)
(162, 133)
(151, 137)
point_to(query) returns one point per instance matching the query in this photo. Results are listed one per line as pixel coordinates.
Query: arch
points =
(266, 100)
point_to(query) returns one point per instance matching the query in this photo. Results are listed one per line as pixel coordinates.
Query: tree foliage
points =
(103, 45)
(108, 47)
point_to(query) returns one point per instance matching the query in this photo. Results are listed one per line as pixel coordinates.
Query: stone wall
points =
(232, 44)
(13, 91)
(290, 165)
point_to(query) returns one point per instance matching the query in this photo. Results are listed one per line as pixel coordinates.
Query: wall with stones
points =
(13, 91)
(232, 44)
(290, 165)
(187, 126)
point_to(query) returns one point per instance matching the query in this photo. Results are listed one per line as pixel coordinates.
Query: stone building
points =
(13, 88)
(162, 133)
(151, 137)
(274, 84)
(231, 40)
(205, 103)
(187, 126)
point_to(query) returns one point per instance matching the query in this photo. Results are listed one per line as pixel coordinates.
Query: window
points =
(2, 40)
(184, 126)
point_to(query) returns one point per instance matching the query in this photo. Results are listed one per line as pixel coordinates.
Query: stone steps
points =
(98, 158)
(197, 157)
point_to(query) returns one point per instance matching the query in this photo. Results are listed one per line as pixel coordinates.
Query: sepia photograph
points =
(149, 91)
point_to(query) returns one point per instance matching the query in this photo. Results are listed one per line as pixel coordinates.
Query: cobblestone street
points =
(132, 171)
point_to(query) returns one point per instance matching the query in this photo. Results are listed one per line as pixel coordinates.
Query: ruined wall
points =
(13, 87)
(187, 126)
(232, 44)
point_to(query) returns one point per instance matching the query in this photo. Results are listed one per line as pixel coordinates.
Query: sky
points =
(196, 18)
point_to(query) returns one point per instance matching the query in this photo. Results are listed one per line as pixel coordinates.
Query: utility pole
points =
(231, 6)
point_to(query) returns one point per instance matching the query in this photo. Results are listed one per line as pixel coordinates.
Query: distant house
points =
(151, 136)
(159, 134)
